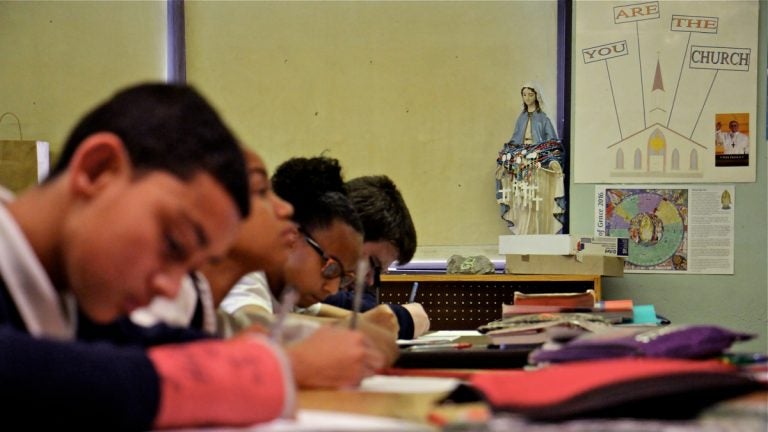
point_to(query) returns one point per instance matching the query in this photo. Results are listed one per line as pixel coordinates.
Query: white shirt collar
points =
(44, 311)
(180, 310)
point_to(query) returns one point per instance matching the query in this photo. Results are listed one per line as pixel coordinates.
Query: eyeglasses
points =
(332, 268)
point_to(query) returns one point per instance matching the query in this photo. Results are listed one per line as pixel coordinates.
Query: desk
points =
(745, 413)
(405, 406)
(479, 356)
(465, 302)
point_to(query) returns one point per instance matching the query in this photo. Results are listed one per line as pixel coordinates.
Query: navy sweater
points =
(90, 384)
(345, 300)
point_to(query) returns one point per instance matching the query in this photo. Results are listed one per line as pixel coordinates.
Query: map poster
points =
(665, 91)
(682, 229)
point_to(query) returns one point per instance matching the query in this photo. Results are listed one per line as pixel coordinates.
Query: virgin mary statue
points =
(529, 177)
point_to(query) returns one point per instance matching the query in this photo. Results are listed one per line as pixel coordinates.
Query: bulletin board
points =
(654, 79)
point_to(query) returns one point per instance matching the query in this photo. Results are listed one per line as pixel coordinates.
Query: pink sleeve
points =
(234, 382)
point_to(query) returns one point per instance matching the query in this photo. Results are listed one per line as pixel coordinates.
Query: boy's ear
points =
(100, 159)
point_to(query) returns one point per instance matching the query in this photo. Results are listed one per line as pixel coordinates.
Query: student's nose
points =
(283, 208)
(332, 286)
(167, 283)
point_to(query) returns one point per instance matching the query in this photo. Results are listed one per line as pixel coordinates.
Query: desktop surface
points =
(480, 355)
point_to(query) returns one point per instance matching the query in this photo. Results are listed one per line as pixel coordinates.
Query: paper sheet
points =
(407, 384)
(437, 337)
(318, 421)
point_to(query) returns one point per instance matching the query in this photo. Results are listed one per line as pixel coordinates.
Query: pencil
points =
(360, 274)
(438, 347)
(414, 289)
(287, 302)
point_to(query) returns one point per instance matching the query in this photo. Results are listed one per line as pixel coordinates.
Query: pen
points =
(414, 289)
(287, 302)
(361, 272)
(438, 347)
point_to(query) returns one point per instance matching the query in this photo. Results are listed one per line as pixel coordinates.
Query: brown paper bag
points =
(23, 163)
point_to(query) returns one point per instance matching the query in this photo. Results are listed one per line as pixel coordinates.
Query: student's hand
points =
(420, 318)
(383, 316)
(253, 329)
(384, 340)
(334, 357)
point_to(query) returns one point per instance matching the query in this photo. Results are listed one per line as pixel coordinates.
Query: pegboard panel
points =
(465, 302)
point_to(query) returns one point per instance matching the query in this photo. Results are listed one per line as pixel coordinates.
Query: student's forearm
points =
(218, 383)
(331, 311)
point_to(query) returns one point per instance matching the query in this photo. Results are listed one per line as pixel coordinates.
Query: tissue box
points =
(564, 264)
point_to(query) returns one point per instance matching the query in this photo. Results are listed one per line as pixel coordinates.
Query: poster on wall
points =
(665, 91)
(680, 229)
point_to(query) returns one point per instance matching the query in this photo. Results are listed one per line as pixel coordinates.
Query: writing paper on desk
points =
(437, 337)
(408, 384)
(321, 421)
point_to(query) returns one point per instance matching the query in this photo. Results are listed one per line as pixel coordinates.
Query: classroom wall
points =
(58, 59)
(423, 91)
(426, 92)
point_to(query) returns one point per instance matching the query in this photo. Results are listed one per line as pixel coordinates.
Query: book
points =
(531, 334)
(574, 300)
(539, 328)
(615, 311)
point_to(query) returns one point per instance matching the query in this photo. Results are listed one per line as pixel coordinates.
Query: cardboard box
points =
(564, 264)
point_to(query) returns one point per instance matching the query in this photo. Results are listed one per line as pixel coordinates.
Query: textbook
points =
(539, 328)
(571, 299)
(535, 333)
(615, 311)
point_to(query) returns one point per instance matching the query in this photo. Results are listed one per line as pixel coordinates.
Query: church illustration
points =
(657, 151)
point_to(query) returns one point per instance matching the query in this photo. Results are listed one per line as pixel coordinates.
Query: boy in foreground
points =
(150, 185)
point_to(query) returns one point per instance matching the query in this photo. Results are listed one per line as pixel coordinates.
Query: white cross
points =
(504, 194)
(537, 199)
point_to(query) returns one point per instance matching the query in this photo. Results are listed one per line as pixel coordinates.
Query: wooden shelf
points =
(465, 302)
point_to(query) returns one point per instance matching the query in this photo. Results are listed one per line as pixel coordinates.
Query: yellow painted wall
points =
(59, 58)
(425, 92)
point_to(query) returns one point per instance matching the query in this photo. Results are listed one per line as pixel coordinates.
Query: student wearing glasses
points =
(322, 260)
(329, 243)
(265, 239)
(390, 236)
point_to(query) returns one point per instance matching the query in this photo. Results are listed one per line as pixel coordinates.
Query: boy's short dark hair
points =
(384, 214)
(168, 127)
